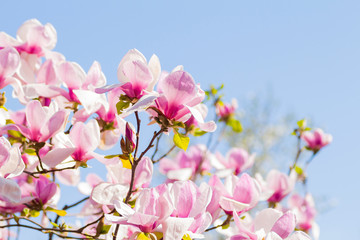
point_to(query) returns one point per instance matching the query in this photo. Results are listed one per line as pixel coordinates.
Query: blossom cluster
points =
(68, 114)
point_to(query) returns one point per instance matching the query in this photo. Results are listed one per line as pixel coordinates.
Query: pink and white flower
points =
(316, 140)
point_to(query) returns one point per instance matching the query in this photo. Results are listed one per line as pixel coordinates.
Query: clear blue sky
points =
(307, 51)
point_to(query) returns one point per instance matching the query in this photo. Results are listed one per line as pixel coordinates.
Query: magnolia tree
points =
(69, 113)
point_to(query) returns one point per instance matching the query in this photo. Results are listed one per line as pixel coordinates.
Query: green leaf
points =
(25, 212)
(121, 105)
(225, 226)
(302, 123)
(181, 141)
(16, 218)
(186, 237)
(105, 229)
(198, 132)
(83, 165)
(61, 213)
(111, 156)
(235, 125)
(299, 170)
(9, 121)
(30, 151)
(34, 213)
(54, 224)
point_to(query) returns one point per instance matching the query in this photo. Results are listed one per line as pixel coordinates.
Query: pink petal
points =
(131, 56)
(47, 74)
(9, 190)
(9, 62)
(56, 156)
(55, 124)
(107, 193)
(266, 219)
(80, 137)
(95, 77)
(178, 88)
(175, 228)
(90, 100)
(72, 75)
(285, 225)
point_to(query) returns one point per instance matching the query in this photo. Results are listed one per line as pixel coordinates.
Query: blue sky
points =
(307, 52)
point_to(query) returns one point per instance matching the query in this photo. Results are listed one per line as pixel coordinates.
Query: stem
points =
(299, 150)
(164, 155)
(226, 222)
(40, 162)
(133, 169)
(156, 147)
(138, 121)
(44, 171)
(65, 208)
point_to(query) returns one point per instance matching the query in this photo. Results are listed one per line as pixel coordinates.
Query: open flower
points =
(11, 165)
(42, 122)
(316, 140)
(179, 96)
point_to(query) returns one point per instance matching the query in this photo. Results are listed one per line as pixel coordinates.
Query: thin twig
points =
(138, 121)
(156, 147)
(226, 222)
(164, 155)
(44, 171)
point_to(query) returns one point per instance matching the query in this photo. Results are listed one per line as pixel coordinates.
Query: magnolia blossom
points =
(81, 142)
(304, 209)
(225, 110)
(32, 38)
(42, 123)
(277, 185)
(186, 164)
(136, 75)
(317, 139)
(179, 98)
(237, 160)
(151, 209)
(138, 79)
(11, 165)
(9, 63)
(238, 194)
(190, 203)
(269, 224)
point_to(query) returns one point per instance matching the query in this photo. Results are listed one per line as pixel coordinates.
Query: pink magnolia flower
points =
(225, 110)
(119, 179)
(81, 86)
(136, 76)
(112, 126)
(186, 164)
(119, 174)
(237, 160)
(9, 63)
(179, 96)
(269, 224)
(238, 194)
(44, 189)
(11, 165)
(304, 209)
(32, 38)
(189, 216)
(83, 139)
(317, 139)
(151, 209)
(42, 123)
(280, 183)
